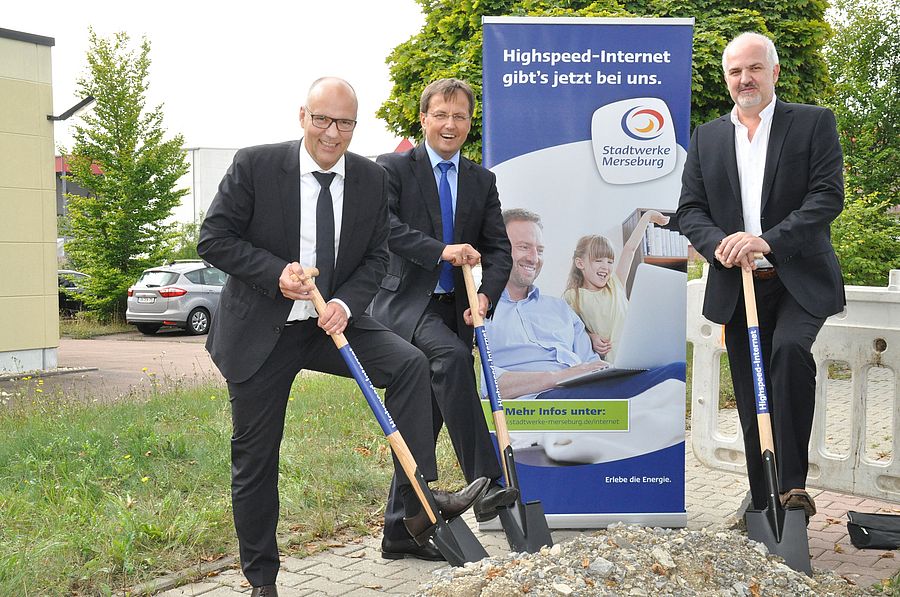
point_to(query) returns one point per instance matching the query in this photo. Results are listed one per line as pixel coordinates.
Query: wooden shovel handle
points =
(318, 302)
(764, 420)
(472, 295)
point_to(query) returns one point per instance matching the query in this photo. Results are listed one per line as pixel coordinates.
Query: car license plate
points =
(146, 299)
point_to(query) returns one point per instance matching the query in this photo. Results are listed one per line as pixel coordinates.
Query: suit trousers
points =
(787, 332)
(455, 402)
(258, 408)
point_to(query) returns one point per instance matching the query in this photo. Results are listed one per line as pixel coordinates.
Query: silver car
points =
(184, 294)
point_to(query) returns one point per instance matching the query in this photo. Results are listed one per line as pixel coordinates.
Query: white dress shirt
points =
(751, 165)
(309, 197)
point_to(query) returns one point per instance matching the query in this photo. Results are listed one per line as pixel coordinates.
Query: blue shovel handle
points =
(484, 348)
(398, 444)
(365, 384)
(487, 365)
(356, 369)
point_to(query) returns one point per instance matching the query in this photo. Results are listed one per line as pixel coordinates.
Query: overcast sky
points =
(232, 74)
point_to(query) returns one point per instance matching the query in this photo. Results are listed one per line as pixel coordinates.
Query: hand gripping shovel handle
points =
(524, 524)
(404, 456)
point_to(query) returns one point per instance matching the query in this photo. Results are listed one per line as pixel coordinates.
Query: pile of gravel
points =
(632, 560)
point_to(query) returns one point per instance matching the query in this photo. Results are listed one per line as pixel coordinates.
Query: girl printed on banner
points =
(596, 286)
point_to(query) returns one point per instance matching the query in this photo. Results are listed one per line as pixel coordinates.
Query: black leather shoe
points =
(494, 497)
(264, 591)
(454, 504)
(398, 549)
(451, 505)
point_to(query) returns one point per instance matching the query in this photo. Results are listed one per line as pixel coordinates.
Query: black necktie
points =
(324, 234)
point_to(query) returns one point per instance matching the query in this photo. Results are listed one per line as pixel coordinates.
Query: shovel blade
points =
(537, 533)
(529, 534)
(794, 543)
(512, 526)
(457, 543)
(524, 523)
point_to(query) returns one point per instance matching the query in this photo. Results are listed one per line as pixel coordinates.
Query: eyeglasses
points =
(320, 121)
(444, 117)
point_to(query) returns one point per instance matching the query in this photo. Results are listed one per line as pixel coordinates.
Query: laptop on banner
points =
(654, 331)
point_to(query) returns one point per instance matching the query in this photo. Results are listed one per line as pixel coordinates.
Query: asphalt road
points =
(121, 364)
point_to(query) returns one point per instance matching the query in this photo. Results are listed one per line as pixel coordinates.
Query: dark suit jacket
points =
(803, 191)
(252, 230)
(415, 214)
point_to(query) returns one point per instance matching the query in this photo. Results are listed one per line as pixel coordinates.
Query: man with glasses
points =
(279, 209)
(445, 212)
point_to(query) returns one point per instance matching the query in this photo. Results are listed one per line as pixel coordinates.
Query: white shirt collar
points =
(308, 165)
(436, 159)
(764, 116)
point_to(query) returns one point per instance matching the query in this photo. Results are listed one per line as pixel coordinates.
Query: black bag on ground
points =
(874, 531)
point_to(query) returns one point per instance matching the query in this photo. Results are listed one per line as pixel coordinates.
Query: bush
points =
(865, 237)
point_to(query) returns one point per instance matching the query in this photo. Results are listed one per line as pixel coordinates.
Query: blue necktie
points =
(446, 277)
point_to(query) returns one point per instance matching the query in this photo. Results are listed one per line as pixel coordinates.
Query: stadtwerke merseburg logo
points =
(643, 123)
(634, 140)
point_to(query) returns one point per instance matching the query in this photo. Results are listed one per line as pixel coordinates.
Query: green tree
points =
(450, 44)
(185, 244)
(798, 28)
(864, 61)
(129, 171)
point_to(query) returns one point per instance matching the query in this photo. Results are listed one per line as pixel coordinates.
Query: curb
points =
(38, 373)
(182, 577)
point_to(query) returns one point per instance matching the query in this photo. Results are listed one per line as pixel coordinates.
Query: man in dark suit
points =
(445, 212)
(767, 178)
(281, 208)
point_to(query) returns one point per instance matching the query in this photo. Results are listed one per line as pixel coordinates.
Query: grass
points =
(840, 370)
(84, 324)
(695, 268)
(97, 497)
(891, 586)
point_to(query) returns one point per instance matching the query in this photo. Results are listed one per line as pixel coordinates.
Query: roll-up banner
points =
(586, 124)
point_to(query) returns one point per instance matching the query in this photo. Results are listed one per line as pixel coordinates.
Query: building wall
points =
(29, 309)
(208, 166)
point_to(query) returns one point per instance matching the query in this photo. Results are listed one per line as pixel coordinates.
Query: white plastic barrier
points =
(866, 337)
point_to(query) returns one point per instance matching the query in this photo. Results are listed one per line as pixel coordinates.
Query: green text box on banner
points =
(563, 415)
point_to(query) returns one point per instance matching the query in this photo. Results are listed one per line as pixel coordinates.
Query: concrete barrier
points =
(856, 430)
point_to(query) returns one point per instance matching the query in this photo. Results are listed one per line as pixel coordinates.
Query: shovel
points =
(453, 538)
(782, 531)
(524, 523)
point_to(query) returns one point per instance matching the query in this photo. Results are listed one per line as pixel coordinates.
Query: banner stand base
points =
(603, 520)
